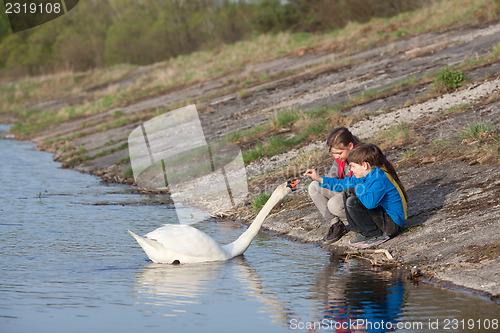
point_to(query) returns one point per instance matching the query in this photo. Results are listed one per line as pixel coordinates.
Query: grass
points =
(125, 160)
(234, 137)
(260, 200)
(479, 142)
(312, 124)
(285, 118)
(128, 172)
(223, 61)
(398, 135)
(14, 96)
(109, 151)
(409, 152)
(72, 158)
(81, 150)
(411, 229)
(299, 126)
(481, 132)
(234, 63)
(447, 80)
(33, 121)
(369, 95)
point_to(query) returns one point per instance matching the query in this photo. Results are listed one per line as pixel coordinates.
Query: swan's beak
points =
(292, 183)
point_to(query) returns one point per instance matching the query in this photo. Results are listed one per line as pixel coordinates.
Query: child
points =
(340, 141)
(374, 198)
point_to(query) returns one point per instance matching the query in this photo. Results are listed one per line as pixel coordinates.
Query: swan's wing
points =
(188, 241)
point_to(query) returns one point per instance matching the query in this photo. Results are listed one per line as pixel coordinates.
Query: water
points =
(67, 263)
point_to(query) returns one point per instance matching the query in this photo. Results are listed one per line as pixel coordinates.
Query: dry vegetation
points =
(100, 91)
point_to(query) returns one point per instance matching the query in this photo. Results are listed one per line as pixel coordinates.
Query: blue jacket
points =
(377, 188)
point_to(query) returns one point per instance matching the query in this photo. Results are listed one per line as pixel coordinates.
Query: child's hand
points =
(314, 175)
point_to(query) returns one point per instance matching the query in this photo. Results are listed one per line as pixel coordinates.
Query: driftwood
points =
(359, 254)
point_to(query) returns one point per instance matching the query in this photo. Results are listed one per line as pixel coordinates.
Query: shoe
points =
(356, 241)
(373, 241)
(337, 230)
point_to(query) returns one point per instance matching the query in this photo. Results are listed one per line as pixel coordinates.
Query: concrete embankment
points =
(453, 179)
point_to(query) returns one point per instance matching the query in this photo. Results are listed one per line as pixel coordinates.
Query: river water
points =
(68, 264)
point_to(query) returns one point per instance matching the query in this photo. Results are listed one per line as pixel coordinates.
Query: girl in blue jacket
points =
(374, 198)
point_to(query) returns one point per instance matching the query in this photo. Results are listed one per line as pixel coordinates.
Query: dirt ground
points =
(454, 211)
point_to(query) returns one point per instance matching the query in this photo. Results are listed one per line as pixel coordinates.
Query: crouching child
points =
(375, 200)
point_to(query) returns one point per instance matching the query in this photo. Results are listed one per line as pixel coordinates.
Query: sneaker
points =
(337, 230)
(369, 242)
(356, 241)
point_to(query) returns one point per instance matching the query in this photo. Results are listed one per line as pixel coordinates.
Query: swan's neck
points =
(240, 245)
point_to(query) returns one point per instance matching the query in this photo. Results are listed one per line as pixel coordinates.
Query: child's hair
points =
(368, 152)
(341, 137)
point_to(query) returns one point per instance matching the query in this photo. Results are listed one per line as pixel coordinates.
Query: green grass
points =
(125, 160)
(312, 124)
(32, 121)
(456, 109)
(109, 150)
(81, 150)
(411, 229)
(275, 145)
(128, 172)
(299, 126)
(369, 95)
(285, 118)
(481, 132)
(234, 136)
(117, 114)
(309, 128)
(447, 79)
(254, 154)
(259, 201)
(315, 128)
(409, 152)
(304, 126)
(353, 38)
(479, 142)
(401, 130)
(75, 160)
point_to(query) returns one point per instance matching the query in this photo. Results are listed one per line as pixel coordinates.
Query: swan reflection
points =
(173, 286)
(175, 289)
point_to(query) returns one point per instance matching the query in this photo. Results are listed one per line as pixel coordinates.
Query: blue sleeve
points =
(370, 191)
(338, 185)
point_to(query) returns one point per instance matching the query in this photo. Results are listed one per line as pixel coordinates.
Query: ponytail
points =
(368, 152)
(390, 170)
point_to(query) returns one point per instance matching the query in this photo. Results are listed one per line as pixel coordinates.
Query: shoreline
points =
(453, 180)
(400, 268)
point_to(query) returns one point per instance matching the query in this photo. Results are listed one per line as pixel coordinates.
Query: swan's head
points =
(291, 184)
(284, 189)
(288, 187)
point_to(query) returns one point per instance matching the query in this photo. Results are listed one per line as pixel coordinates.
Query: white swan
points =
(177, 243)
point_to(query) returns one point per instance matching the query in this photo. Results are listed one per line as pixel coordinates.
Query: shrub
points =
(447, 80)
